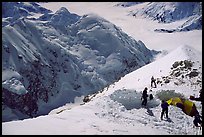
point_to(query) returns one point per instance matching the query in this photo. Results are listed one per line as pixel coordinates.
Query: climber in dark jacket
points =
(200, 98)
(153, 81)
(197, 120)
(164, 107)
(144, 96)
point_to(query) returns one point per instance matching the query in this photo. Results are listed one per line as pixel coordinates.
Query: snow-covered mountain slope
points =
(11, 11)
(139, 28)
(167, 67)
(53, 59)
(167, 12)
(192, 23)
(118, 109)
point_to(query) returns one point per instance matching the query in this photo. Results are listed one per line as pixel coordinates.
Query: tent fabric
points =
(187, 106)
(174, 101)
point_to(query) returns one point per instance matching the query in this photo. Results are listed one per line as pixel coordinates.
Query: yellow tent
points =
(187, 106)
(174, 101)
(190, 108)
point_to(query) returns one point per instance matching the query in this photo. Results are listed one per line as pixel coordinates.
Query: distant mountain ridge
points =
(11, 11)
(168, 12)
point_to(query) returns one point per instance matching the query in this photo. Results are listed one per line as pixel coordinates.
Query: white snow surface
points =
(117, 110)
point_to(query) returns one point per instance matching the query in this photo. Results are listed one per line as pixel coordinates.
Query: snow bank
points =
(131, 99)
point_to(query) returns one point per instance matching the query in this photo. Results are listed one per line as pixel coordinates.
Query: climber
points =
(153, 81)
(144, 96)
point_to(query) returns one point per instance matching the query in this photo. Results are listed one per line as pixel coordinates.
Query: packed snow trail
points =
(112, 114)
(120, 109)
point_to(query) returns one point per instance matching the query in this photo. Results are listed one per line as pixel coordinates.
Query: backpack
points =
(151, 97)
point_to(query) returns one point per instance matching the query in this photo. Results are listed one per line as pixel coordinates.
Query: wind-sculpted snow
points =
(62, 56)
(61, 19)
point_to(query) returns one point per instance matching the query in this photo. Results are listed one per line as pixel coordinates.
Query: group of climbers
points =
(187, 106)
(144, 93)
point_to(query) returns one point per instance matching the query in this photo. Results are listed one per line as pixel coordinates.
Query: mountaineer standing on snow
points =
(164, 107)
(144, 97)
(197, 118)
(153, 81)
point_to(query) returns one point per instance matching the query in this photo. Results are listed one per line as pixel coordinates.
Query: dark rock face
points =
(24, 103)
